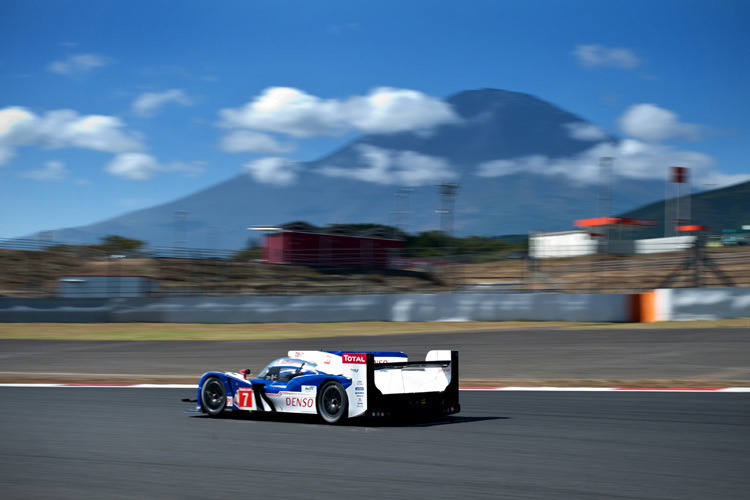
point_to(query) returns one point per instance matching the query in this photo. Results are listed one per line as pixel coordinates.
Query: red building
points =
(337, 246)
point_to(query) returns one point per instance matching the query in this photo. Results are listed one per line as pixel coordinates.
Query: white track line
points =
(516, 389)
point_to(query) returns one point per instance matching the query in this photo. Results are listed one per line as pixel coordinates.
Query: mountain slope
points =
(495, 125)
(725, 208)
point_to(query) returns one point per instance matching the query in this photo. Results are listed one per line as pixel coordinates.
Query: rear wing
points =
(429, 386)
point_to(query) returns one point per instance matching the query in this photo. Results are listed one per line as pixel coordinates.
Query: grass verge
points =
(271, 331)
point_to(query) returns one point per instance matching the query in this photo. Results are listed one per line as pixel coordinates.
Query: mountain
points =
(358, 183)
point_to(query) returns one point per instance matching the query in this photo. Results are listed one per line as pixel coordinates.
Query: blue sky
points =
(111, 106)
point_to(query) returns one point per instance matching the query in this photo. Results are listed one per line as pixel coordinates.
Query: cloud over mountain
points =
(293, 112)
(649, 122)
(633, 159)
(397, 168)
(249, 141)
(273, 170)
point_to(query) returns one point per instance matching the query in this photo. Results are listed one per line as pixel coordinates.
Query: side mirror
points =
(246, 372)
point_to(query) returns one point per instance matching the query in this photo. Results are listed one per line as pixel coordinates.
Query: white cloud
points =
(11, 130)
(187, 169)
(63, 129)
(652, 123)
(633, 159)
(585, 131)
(10, 117)
(384, 110)
(52, 171)
(599, 55)
(79, 64)
(148, 103)
(387, 167)
(6, 154)
(134, 166)
(248, 141)
(273, 170)
(143, 167)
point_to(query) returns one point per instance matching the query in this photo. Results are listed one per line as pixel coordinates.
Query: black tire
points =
(213, 396)
(333, 405)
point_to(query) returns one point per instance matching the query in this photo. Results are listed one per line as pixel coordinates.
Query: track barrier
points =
(656, 305)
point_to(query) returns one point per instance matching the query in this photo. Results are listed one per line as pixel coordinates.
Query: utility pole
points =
(180, 219)
(447, 203)
(401, 214)
(604, 203)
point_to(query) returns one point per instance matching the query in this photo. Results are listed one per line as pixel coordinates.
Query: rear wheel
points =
(213, 396)
(333, 405)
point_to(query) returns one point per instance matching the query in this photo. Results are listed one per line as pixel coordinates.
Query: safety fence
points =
(29, 268)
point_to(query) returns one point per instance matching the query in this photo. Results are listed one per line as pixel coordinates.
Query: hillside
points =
(725, 208)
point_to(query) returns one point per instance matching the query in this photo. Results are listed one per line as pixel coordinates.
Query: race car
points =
(337, 385)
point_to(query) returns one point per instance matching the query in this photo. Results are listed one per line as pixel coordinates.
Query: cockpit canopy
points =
(285, 369)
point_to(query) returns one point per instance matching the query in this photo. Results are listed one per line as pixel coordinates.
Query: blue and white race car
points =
(337, 385)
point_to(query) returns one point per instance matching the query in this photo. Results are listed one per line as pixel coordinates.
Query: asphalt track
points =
(71, 443)
(696, 354)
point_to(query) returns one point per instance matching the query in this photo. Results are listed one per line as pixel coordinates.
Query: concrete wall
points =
(55, 310)
(302, 309)
(686, 304)
(509, 307)
(680, 304)
(321, 309)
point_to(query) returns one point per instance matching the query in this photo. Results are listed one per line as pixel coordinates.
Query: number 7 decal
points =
(244, 398)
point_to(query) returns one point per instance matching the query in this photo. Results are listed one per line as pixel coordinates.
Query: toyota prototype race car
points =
(337, 385)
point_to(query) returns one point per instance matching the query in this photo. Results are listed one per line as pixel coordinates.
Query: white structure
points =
(105, 286)
(563, 244)
(581, 242)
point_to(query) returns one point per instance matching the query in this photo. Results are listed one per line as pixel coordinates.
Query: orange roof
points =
(616, 221)
(694, 227)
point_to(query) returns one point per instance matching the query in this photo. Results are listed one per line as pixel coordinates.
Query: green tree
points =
(252, 251)
(119, 244)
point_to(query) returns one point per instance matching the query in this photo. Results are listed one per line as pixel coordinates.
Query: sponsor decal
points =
(359, 358)
(302, 402)
(229, 401)
(359, 388)
(355, 370)
(309, 389)
(244, 397)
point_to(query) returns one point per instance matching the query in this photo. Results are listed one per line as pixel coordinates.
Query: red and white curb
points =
(610, 389)
(516, 389)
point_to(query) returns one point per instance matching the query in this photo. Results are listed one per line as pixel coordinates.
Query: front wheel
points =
(213, 396)
(333, 405)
